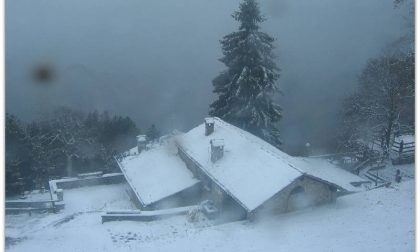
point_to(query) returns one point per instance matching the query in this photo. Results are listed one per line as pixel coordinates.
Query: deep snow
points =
(376, 220)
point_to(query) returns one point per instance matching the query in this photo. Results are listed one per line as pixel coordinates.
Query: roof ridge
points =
(203, 168)
(248, 136)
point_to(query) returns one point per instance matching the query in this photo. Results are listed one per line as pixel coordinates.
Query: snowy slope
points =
(377, 220)
(92, 199)
(156, 173)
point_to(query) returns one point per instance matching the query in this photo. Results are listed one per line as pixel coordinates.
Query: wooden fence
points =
(403, 153)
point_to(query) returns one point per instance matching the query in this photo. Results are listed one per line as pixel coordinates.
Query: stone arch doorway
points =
(298, 199)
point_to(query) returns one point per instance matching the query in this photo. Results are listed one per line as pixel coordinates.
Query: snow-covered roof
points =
(323, 169)
(141, 138)
(156, 173)
(249, 160)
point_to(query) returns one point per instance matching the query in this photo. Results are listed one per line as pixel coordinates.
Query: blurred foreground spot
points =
(43, 74)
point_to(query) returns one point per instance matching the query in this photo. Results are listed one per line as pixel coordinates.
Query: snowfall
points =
(377, 220)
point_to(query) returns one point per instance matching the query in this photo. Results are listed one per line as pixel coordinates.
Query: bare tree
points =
(383, 101)
(64, 136)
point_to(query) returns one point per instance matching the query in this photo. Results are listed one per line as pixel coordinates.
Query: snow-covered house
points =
(240, 172)
(252, 176)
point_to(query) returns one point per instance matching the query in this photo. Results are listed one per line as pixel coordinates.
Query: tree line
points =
(64, 143)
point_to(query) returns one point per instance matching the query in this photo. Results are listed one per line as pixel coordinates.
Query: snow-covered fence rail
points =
(23, 203)
(335, 155)
(57, 186)
(89, 174)
(106, 179)
(403, 147)
(371, 164)
(145, 215)
(387, 184)
(403, 152)
(18, 206)
(123, 212)
(376, 178)
(360, 166)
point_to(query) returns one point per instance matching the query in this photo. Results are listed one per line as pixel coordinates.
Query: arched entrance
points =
(298, 199)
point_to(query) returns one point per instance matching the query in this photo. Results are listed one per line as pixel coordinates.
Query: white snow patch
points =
(157, 173)
(377, 220)
(405, 138)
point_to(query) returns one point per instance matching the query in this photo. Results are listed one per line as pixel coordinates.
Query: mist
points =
(154, 60)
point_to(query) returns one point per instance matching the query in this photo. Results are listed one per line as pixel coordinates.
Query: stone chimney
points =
(217, 149)
(209, 123)
(141, 143)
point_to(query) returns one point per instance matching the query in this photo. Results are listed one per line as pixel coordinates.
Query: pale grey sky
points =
(154, 59)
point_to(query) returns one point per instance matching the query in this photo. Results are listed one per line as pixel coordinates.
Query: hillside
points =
(377, 220)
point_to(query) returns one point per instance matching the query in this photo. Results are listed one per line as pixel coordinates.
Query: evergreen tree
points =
(17, 156)
(66, 139)
(245, 90)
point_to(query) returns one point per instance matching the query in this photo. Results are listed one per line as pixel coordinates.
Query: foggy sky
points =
(154, 60)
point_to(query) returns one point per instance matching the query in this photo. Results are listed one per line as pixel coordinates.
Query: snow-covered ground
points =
(84, 203)
(388, 173)
(35, 195)
(376, 220)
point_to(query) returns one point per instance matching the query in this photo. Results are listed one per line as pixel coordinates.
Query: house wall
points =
(217, 194)
(189, 196)
(230, 209)
(318, 192)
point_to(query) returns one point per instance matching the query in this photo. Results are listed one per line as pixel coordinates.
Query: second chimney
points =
(209, 123)
(141, 143)
(217, 149)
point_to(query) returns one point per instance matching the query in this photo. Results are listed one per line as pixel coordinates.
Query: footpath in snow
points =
(377, 220)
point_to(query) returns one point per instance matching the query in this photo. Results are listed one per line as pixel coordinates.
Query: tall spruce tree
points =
(245, 89)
